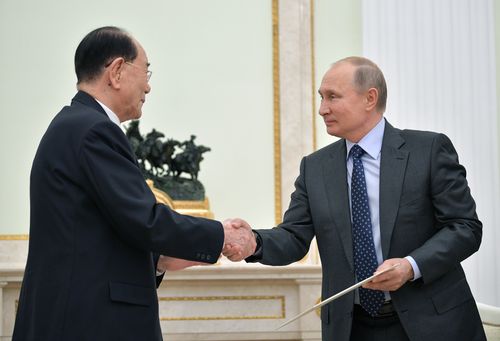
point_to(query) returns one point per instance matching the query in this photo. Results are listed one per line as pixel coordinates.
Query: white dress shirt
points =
(112, 116)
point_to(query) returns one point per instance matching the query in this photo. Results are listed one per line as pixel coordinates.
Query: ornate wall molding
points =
(294, 93)
(229, 308)
(14, 237)
(223, 302)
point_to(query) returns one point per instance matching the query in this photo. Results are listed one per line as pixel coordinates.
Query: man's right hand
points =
(239, 240)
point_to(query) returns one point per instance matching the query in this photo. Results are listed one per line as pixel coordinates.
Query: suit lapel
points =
(392, 170)
(335, 179)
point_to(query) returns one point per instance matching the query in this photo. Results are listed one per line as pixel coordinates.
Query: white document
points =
(337, 295)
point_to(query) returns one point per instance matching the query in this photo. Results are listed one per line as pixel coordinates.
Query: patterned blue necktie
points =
(365, 258)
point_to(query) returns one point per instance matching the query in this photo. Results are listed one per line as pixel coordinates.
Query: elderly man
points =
(96, 231)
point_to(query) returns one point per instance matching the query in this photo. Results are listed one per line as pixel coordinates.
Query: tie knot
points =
(356, 151)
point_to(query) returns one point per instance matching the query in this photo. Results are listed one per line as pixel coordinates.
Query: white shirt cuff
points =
(416, 270)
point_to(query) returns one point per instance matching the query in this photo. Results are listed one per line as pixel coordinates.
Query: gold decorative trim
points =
(318, 310)
(14, 236)
(276, 119)
(191, 204)
(313, 76)
(189, 207)
(225, 298)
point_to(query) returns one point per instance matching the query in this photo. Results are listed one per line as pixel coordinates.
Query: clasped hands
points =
(239, 240)
(239, 243)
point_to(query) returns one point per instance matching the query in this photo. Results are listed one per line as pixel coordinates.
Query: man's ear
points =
(371, 99)
(114, 72)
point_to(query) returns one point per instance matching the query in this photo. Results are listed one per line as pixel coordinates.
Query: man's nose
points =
(323, 109)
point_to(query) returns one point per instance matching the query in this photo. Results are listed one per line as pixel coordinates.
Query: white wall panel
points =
(439, 61)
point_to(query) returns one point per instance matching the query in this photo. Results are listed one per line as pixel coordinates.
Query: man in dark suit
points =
(96, 231)
(377, 197)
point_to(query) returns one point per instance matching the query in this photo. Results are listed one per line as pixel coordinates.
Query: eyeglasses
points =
(148, 72)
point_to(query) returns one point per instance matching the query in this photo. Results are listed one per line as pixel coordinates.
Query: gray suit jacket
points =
(426, 211)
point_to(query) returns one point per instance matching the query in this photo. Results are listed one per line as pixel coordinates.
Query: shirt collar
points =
(371, 142)
(112, 116)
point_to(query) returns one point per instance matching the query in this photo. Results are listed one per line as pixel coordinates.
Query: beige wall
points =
(497, 51)
(338, 34)
(212, 76)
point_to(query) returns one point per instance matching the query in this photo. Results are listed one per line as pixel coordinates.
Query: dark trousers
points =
(385, 327)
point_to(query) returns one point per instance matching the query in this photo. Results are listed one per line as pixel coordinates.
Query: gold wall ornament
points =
(193, 208)
(318, 310)
(243, 300)
(276, 113)
(14, 236)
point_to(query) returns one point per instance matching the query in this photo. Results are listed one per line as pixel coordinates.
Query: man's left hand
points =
(394, 279)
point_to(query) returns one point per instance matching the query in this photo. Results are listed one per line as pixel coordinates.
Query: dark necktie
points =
(365, 258)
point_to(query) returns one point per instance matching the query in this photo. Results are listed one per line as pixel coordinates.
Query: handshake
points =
(239, 240)
(239, 243)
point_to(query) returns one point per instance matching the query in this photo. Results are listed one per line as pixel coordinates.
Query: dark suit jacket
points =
(95, 224)
(426, 211)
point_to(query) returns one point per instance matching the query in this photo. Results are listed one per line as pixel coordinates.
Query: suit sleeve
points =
(289, 242)
(458, 230)
(159, 279)
(123, 197)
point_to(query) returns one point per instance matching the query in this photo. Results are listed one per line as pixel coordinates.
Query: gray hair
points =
(368, 75)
